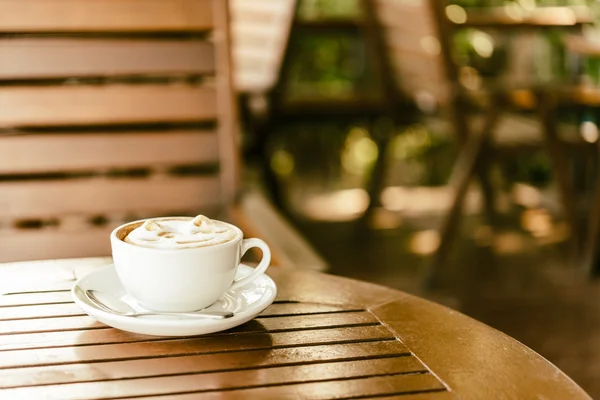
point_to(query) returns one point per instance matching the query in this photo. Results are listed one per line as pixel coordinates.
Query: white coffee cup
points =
(182, 280)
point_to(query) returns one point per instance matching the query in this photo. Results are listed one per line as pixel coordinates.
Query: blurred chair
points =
(260, 32)
(410, 44)
(266, 86)
(497, 100)
(259, 36)
(114, 111)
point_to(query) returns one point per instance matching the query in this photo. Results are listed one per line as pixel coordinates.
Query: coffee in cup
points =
(180, 233)
(181, 264)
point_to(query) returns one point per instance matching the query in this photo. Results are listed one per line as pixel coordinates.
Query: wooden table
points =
(324, 337)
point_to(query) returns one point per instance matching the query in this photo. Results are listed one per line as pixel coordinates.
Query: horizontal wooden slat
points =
(47, 244)
(436, 395)
(56, 152)
(267, 7)
(101, 336)
(46, 276)
(350, 388)
(103, 16)
(40, 311)
(28, 326)
(228, 380)
(180, 347)
(273, 318)
(111, 104)
(203, 363)
(278, 309)
(76, 321)
(100, 196)
(274, 312)
(35, 298)
(58, 58)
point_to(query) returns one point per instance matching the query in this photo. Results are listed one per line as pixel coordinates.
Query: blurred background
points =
(447, 148)
(364, 123)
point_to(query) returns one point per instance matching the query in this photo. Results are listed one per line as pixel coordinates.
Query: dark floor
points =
(515, 279)
(528, 293)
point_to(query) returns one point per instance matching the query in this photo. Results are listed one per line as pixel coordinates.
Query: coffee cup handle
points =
(260, 269)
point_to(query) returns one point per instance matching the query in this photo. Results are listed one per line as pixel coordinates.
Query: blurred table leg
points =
(591, 256)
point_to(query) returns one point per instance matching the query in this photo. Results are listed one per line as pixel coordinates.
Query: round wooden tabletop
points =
(324, 337)
(469, 358)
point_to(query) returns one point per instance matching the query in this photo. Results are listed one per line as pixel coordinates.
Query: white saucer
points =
(246, 303)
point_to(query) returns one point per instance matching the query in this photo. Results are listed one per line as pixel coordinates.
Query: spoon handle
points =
(204, 314)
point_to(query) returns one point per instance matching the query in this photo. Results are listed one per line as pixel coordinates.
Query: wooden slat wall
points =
(58, 57)
(110, 104)
(105, 16)
(90, 88)
(260, 29)
(411, 38)
(101, 196)
(54, 243)
(62, 152)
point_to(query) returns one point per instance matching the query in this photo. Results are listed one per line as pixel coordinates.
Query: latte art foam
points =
(180, 233)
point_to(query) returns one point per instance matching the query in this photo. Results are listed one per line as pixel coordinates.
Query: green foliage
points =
(328, 66)
(315, 9)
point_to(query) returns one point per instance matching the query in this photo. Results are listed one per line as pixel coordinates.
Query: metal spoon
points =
(112, 304)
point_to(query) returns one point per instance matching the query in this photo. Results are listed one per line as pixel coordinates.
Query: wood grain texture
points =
(347, 388)
(112, 104)
(207, 363)
(80, 57)
(321, 354)
(144, 58)
(421, 396)
(38, 317)
(102, 196)
(61, 337)
(105, 16)
(40, 325)
(40, 244)
(479, 360)
(36, 298)
(231, 380)
(116, 346)
(62, 152)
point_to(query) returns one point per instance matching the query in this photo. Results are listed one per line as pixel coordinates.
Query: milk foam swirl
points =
(180, 233)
